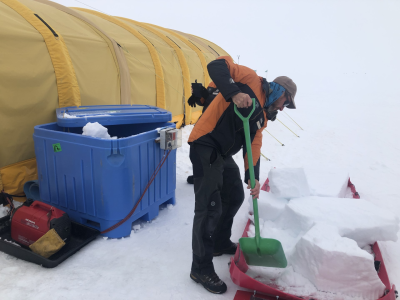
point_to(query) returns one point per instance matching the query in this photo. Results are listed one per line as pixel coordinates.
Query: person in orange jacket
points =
(202, 97)
(216, 137)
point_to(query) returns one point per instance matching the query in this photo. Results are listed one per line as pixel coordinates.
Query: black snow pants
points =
(219, 194)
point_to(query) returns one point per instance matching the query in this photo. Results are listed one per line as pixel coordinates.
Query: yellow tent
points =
(53, 56)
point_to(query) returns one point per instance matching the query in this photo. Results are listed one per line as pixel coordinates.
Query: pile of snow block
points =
(336, 264)
(326, 237)
(299, 182)
(288, 183)
(327, 182)
(96, 130)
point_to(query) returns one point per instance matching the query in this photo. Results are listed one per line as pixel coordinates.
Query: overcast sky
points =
(319, 44)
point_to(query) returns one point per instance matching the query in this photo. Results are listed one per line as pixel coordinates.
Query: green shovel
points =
(258, 251)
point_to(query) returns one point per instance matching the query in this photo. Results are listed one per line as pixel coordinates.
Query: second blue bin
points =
(98, 181)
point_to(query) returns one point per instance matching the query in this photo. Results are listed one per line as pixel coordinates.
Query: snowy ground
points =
(155, 261)
(343, 55)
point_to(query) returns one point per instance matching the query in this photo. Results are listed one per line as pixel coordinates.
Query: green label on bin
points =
(57, 147)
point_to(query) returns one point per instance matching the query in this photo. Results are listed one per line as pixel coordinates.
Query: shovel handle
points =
(248, 117)
(246, 128)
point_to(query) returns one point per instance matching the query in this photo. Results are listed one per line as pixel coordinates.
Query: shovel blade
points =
(269, 252)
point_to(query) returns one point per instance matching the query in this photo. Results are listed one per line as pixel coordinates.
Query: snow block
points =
(96, 130)
(269, 206)
(356, 219)
(327, 182)
(290, 283)
(288, 183)
(327, 240)
(336, 264)
(346, 225)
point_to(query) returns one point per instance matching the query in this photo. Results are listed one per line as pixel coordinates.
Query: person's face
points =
(279, 104)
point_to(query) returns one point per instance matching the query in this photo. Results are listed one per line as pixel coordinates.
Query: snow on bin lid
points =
(111, 115)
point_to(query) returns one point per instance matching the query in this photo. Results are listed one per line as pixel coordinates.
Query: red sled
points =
(261, 291)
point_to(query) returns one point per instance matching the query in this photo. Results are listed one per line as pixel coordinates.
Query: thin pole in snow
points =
(274, 137)
(287, 127)
(293, 120)
(265, 157)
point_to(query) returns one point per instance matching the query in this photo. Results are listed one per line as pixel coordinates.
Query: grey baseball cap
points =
(289, 86)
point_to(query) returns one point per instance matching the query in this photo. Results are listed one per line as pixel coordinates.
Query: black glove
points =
(204, 92)
(271, 116)
(199, 90)
(192, 100)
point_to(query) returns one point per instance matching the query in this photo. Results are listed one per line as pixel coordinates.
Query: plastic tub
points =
(98, 181)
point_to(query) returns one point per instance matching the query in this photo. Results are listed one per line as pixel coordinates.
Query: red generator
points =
(32, 220)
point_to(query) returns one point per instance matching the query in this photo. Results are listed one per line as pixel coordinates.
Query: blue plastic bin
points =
(97, 181)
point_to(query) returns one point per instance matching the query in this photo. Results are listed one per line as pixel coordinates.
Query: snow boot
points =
(210, 282)
(190, 179)
(231, 250)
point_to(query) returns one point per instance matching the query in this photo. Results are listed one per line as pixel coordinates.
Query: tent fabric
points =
(182, 62)
(208, 52)
(27, 77)
(67, 85)
(196, 62)
(200, 55)
(160, 89)
(92, 53)
(13, 177)
(214, 47)
(76, 56)
(173, 78)
(172, 70)
(119, 55)
(192, 65)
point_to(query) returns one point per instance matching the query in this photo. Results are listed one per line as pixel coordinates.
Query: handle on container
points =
(42, 205)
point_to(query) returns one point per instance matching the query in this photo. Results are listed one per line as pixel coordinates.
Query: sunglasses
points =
(288, 100)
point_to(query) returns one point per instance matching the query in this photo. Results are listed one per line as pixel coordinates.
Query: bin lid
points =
(74, 116)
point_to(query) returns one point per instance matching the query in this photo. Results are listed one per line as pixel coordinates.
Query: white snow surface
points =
(3, 210)
(343, 56)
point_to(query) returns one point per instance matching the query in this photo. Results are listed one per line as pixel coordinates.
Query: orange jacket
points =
(219, 127)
